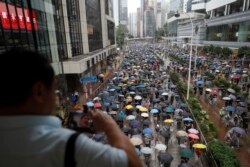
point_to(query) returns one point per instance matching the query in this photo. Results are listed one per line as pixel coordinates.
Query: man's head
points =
(27, 83)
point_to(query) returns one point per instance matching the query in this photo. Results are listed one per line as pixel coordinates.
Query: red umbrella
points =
(193, 136)
(97, 105)
(235, 77)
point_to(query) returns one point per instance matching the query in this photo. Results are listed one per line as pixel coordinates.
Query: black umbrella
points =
(165, 133)
(165, 157)
(146, 122)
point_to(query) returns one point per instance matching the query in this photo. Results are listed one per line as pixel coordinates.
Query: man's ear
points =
(39, 92)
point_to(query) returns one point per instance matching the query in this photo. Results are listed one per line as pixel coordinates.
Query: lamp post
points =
(191, 52)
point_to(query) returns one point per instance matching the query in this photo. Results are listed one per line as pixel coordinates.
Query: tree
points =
(226, 52)
(121, 31)
(217, 50)
(244, 53)
(165, 28)
(211, 49)
(130, 36)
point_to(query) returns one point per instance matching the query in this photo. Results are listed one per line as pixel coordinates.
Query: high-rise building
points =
(164, 11)
(133, 24)
(138, 22)
(77, 36)
(158, 15)
(149, 20)
(123, 12)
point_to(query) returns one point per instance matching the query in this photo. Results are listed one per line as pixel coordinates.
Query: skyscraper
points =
(123, 12)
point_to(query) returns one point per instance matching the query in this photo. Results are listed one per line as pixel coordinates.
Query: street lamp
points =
(191, 52)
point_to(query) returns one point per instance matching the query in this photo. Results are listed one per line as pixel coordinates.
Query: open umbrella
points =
(239, 130)
(193, 136)
(146, 150)
(147, 131)
(90, 104)
(146, 122)
(165, 157)
(128, 107)
(186, 152)
(232, 97)
(134, 123)
(112, 112)
(231, 90)
(136, 141)
(164, 94)
(154, 111)
(143, 109)
(193, 131)
(168, 121)
(137, 97)
(181, 133)
(130, 117)
(145, 115)
(199, 145)
(230, 108)
(187, 119)
(226, 98)
(97, 105)
(160, 147)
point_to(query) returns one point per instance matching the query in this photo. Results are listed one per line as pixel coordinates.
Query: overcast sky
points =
(133, 5)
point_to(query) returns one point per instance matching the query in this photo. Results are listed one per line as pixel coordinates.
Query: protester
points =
(30, 137)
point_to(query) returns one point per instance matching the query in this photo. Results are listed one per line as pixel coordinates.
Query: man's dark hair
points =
(20, 69)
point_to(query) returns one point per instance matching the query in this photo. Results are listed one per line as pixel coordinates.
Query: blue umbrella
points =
(154, 110)
(134, 123)
(200, 82)
(138, 152)
(122, 114)
(148, 131)
(90, 104)
(187, 119)
(230, 108)
(106, 104)
(169, 109)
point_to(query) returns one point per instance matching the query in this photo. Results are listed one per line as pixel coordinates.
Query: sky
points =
(133, 5)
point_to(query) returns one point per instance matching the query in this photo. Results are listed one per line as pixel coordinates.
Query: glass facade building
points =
(235, 32)
(93, 14)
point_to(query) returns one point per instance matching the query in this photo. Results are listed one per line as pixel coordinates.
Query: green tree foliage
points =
(223, 154)
(121, 31)
(130, 36)
(244, 50)
(217, 50)
(226, 52)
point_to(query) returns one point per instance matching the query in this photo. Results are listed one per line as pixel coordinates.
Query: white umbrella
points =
(138, 97)
(232, 97)
(132, 93)
(144, 114)
(164, 94)
(130, 117)
(208, 90)
(112, 112)
(183, 145)
(231, 90)
(160, 147)
(97, 98)
(138, 106)
(226, 98)
(136, 141)
(146, 150)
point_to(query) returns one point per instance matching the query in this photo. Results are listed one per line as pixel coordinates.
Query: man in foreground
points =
(30, 137)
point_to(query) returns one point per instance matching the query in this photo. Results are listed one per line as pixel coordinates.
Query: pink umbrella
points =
(97, 105)
(193, 131)
(193, 136)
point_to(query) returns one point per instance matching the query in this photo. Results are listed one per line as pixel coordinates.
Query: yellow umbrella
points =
(199, 145)
(129, 107)
(143, 109)
(128, 97)
(168, 121)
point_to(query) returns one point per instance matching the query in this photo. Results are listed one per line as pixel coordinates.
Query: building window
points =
(107, 7)
(88, 64)
(111, 32)
(93, 14)
(93, 61)
(75, 27)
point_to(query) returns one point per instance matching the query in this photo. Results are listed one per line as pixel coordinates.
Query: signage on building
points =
(88, 79)
(16, 18)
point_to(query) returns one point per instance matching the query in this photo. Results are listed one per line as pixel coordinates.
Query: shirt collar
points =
(9, 122)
